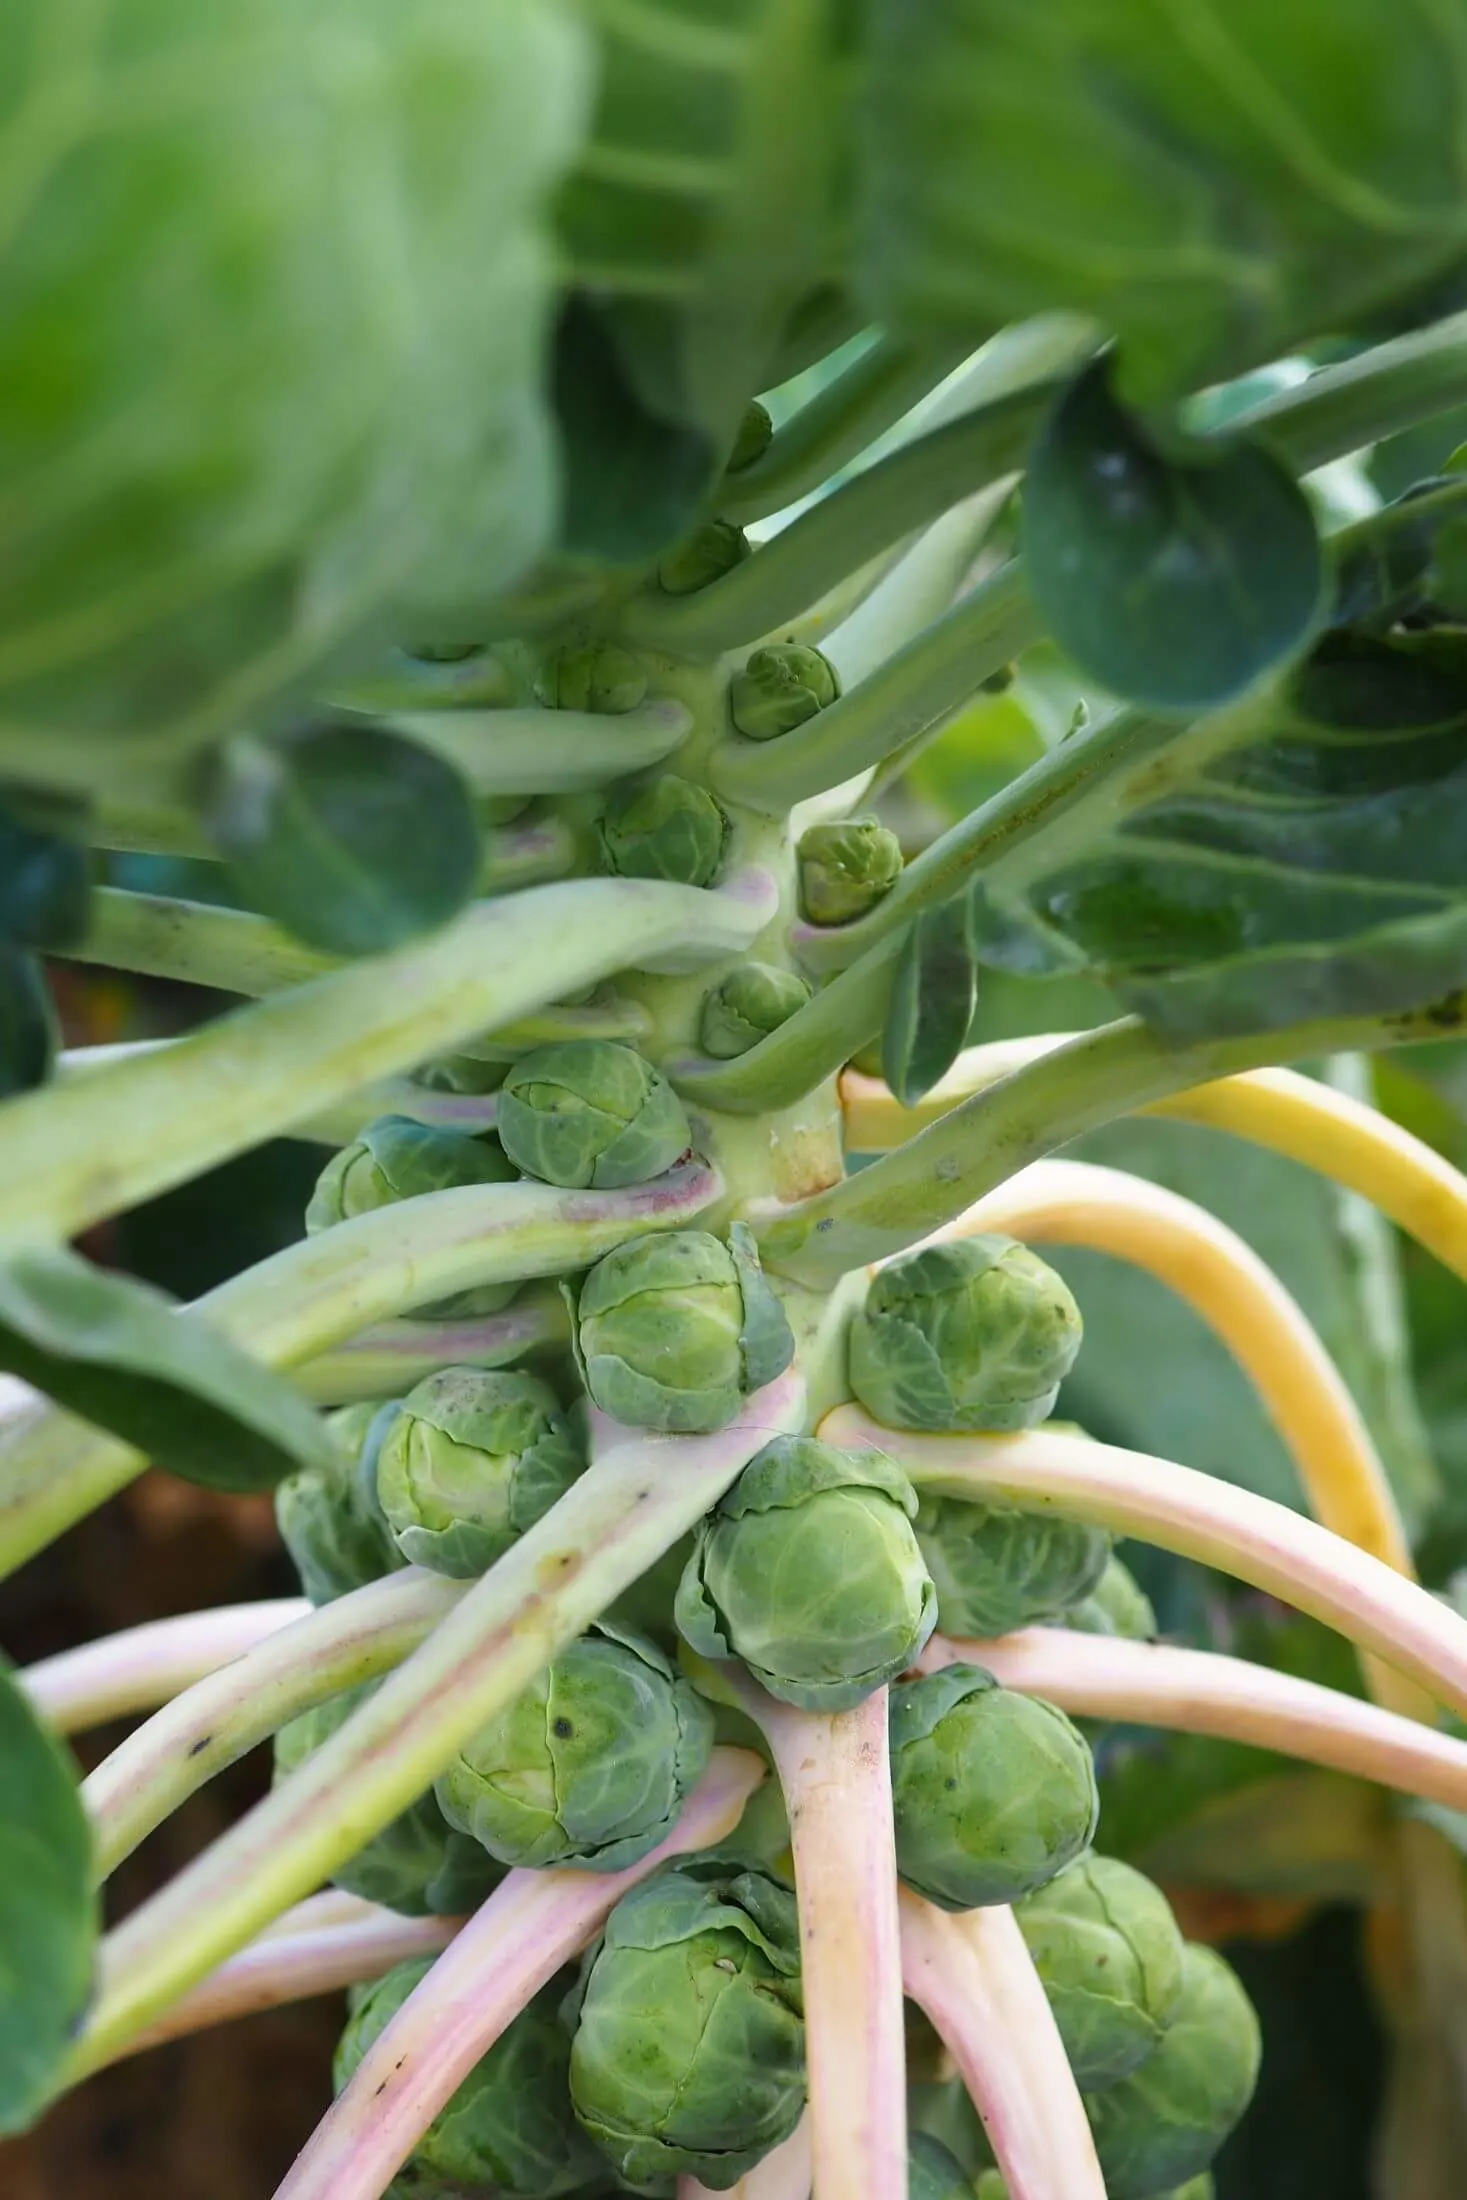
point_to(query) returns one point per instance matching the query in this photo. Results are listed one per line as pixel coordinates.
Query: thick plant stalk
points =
(534, 1922)
(1203, 1692)
(1200, 1517)
(783, 2175)
(625, 1510)
(975, 1979)
(144, 1666)
(385, 1361)
(211, 1725)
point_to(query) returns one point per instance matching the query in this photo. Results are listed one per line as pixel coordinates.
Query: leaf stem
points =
(144, 1666)
(547, 751)
(386, 1361)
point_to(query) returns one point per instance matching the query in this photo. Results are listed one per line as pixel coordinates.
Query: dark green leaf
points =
(45, 885)
(932, 1002)
(48, 1909)
(27, 1023)
(352, 837)
(1216, 183)
(632, 483)
(1176, 581)
(120, 1354)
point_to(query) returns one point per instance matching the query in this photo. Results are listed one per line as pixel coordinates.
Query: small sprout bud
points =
(508, 2129)
(1117, 1605)
(779, 688)
(666, 828)
(1164, 2124)
(590, 1765)
(327, 1518)
(743, 1008)
(1107, 1948)
(993, 1792)
(688, 2057)
(472, 1458)
(977, 1333)
(396, 1158)
(715, 549)
(997, 1569)
(598, 677)
(590, 1114)
(933, 2173)
(674, 1332)
(755, 434)
(846, 869)
(808, 1570)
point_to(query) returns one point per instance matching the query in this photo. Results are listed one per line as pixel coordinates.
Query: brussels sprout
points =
(590, 1113)
(993, 1792)
(589, 1765)
(933, 2173)
(997, 1568)
(471, 1459)
(808, 1570)
(780, 688)
(755, 434)
(666, 828)
(746, 1006)
(846, 869)
(976, 1333)
(1108, 1950)
(418, 1864)
(327, 1519)
(674, 1332)
(508, 2130)
(716, 548)
(689, 2048)
(1166, 2121)
(397, 1158)
(1117, 1605)
(601, 678)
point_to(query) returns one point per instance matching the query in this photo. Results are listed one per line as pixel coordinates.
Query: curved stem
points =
(1202, 1692)
(786, 2174)
(534, 1922)
(144, 1666)
(547, 751)
(1160, 1502)
(975, 1978)
(386, 1361)
(194, 942)
(1378, 393)
(843, 1017)
(211, 1725)
(624, 1512)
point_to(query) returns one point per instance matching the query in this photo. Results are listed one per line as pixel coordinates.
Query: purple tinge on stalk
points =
(974, 1978)
(534, 1922)
(142, 1667)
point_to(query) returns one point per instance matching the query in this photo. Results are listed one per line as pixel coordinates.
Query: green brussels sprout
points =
(744, 1007)
(666, 828)
(1109, 1953)
(933, 2173)
(326, 1516)
(397, 1158)
(472, 1458)
(508, 2130)
(1164, 2123)
(600, 677)
(997, 1568)
(975, 1333)
(590, 1765)
(673, 1332)
(754, 436)
(846, 869)
(689, 2049)
(779, 688)
(417, 1864)
(808, 1571)
(993, 1792)
(715, 549)
(589, 1113)
(1117, 1605)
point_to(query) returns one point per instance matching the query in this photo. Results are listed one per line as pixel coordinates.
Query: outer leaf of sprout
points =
(590, 1765)
(977, 1333)
(996, 1568)
(1117, 1605)
(396, 1158)
(744, 1007)
(716, 548)
(327, 1520)
(847, 868)
(472, 1458)
(667, 828)
(779, 688)
(1107, 1947)
(689, 2049)
(590, 1114)
(808, 1570)
(993, 1792)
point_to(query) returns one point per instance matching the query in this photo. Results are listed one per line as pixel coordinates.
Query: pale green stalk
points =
(818, 1039)
(194, 942)
(623, 1513)
(1380, 393)
(210, 1726)
(917, 590)
(143, 1666)
(386, 1361)
(547, 751)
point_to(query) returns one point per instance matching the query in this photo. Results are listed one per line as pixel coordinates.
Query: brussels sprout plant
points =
(575, 577)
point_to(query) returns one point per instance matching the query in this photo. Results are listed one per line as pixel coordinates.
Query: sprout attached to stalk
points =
(754, 436)
(846, 869)
(689, 2050)
(470, 1460)
(590, 1765)
(808, 1571)
(996, 1568)
(665, 828)
(599, 677)
(715, 548)
(396, 1158)
(744, 1007)
(590, 1114)
(781, 687)
(993, 1792)
(328, 1518)
(1117, 1606)
(1110, 1956)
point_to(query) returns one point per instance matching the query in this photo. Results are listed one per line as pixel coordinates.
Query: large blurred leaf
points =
(631, 482)
(48, 1909)
(45, 884)
(119, 1353)
(1215, 182)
